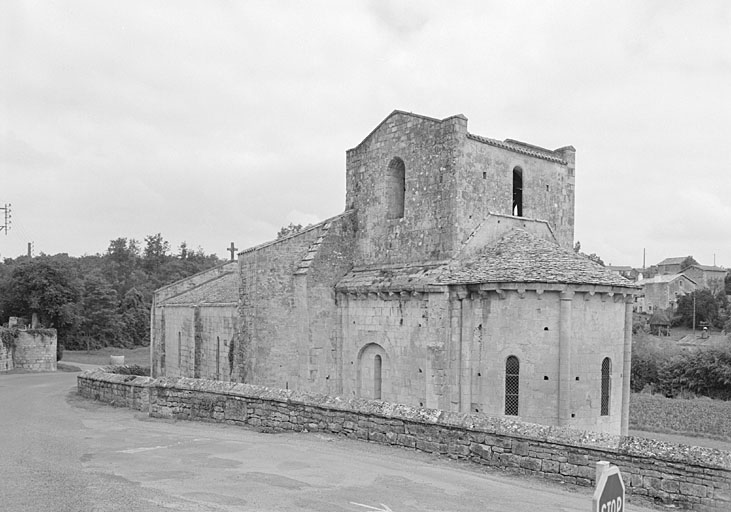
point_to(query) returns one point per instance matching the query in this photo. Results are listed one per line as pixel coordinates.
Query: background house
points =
(662, 292)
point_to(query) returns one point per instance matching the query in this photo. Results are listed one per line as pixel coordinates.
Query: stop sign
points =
(609, 493)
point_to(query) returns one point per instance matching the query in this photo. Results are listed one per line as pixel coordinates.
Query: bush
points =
(678, 373)
(700, 416)
(132, 369)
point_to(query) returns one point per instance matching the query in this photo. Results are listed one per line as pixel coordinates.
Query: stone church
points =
(448, 282)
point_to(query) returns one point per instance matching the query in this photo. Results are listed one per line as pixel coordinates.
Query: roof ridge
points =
(298, 233)
(197, 288)
(403, 112)
(520, 147)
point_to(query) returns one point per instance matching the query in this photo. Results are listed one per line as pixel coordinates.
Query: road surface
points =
(60, 452)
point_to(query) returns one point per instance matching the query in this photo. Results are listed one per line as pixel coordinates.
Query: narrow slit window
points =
(512, 385)
(377, 365)
(606, 385)
(218, 358)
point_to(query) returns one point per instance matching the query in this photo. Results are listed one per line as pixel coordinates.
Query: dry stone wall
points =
(690, 477)
(119, 390)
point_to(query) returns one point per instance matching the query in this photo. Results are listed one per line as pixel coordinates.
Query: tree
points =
(289, 230)
(688, 262)
(96, 300)
(120, 263)
(156, 249)
(100, 321)
(706, 309)
(135, 317)
(45, 287)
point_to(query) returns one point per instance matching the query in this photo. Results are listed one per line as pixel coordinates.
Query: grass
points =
(139, 356)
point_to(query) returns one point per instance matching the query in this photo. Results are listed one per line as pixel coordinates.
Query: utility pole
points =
(693, 314)
(8, 218)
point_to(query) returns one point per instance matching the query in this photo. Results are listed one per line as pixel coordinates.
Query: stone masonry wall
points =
(158, 333)
(690, 477)
(179, 340)
(659, 295)
(119, 390)
(34, 350)
(427, 229)
(486, 186)
(215, 328)
(6, 357)
(408, 332)
(289, 319)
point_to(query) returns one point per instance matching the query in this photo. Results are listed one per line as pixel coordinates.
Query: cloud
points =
(402, 18)
(129, 119)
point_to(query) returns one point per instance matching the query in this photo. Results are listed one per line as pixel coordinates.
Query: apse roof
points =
(520, 256)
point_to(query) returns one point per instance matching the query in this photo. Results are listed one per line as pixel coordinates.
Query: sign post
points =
(609, 492)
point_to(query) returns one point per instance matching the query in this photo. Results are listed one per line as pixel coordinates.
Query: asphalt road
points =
(59, 452)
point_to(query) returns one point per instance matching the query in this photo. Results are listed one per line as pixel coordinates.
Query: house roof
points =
(708, 268)
(223, 289)
(663, 278)
(673, 261)
(619, 268)
(519, 256)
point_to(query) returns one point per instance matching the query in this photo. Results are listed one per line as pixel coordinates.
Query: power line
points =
(8, 218)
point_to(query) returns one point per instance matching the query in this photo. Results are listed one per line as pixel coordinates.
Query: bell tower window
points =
(518, 192)
(395, 188)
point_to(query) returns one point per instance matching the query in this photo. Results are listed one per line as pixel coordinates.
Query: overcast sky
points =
(219, 121)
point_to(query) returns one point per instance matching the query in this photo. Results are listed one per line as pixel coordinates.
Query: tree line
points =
(100, 300)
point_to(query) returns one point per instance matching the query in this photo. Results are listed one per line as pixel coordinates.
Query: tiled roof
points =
(325, 223)
(520, 147)
(520, 256)
(406, 278)
(223, 289)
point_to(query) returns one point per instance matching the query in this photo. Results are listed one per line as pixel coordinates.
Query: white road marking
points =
(143, 449)
(376, 509)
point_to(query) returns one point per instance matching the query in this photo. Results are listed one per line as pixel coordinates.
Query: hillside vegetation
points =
(100, 300)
